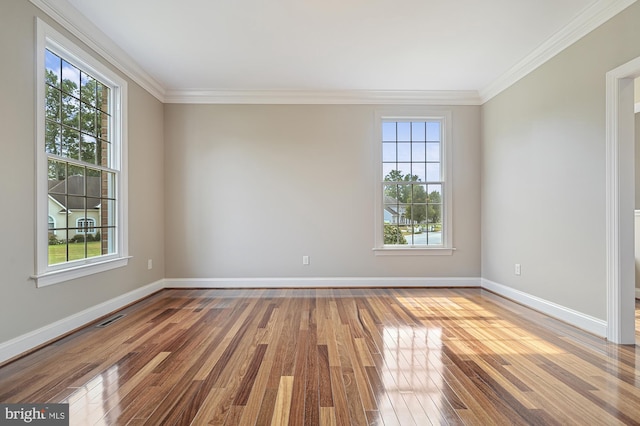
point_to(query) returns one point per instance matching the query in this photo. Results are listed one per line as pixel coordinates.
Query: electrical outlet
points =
(517, 269)
(149, 263)
(305, 260)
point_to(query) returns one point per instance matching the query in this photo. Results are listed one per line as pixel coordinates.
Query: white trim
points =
(413, 251)
(73, 21)
(49, 38)
(636, 108)
(575, 318)
(33, 339)
(331, 282)
(444, 114)
(592, 17)
(637, 293)
(619, 190)
(82, 270)
(298, 97)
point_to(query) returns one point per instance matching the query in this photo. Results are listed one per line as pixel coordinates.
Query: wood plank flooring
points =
(331, 357)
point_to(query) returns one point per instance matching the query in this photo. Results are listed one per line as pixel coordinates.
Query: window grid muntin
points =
(398, 141)
(101, 161)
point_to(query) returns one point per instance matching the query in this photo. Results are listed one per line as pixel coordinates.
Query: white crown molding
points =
(374, 97)
(575, 318)
(73, 21)
(591, 18)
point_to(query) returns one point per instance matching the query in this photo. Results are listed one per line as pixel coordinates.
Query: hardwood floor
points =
(331, 357)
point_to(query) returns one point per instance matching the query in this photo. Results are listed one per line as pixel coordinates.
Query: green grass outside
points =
(58, 253)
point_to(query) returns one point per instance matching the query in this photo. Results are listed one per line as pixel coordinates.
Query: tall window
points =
(414, 198)
(81, 147)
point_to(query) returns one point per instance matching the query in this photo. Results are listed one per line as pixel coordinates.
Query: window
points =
(412, 190)
(86, 226)
(81, 153)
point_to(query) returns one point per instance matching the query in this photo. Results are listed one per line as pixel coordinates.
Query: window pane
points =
(404, 169)
(75, 181)
(108, 186)
(433, 152)
(77, 247)
(57, 172)
(435, 193)
(108, 213)
(419, 194)
(94, 183)
(94, 244)
(102, 125)
(417, 152)
(52, 103)
(75, 204)
(57, 247)
(109, 243)
(433, 131)
(390, 193)
(52, 64)
(52, 138)
(417, 213)
(388, 170)
(70, 79)
(419, 170)
(389, 131)
(388, 152)
(88, 149)
(418, 132)
(88, 119)
(70, 143)
(433, 172)
(57, 210)
(404, 132)
(102, 97)
(87, 89)
(404, 152)
(70, 111)
(393, 235)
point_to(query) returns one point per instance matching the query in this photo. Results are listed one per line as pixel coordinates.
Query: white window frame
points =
(416, 114)
(45, 274)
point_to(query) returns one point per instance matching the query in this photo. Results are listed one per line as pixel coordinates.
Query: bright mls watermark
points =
(35, 414)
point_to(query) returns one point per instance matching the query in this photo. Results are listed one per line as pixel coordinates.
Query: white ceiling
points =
(334, 45)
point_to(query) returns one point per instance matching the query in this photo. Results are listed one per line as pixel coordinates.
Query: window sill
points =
(413, 251)
(55, 277)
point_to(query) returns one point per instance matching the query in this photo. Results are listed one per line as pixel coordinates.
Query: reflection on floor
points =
(332, 356)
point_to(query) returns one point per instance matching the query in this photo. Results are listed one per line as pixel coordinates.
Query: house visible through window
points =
(81, 149)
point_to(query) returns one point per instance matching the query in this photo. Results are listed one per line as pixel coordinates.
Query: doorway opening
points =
(620, 202)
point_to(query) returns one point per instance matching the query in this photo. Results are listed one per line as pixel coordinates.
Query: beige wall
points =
(543, 171)
(252, 188)
(23, 307)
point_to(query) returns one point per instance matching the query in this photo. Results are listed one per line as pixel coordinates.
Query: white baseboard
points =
(333, 282)
(21, 344)
(575, 318)
(637, 293)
